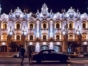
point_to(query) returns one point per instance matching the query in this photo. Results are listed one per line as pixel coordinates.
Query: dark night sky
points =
(33, 5)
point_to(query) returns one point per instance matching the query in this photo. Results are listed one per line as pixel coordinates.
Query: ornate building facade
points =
(63, 32)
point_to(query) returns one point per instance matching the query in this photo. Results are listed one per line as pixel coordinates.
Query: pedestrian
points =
(30, 54)
(21, 54)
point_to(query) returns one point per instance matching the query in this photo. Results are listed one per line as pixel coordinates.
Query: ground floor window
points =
(44, 47)
(3, 49)
(57, 49)
(32, 47)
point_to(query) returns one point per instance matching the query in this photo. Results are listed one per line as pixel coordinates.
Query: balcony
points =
(72, 40)
(84, 39)
(3, 29)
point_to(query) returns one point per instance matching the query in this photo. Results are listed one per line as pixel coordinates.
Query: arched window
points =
(57, 37)
(84, 25)
(18, 37)
(44, 25)
(44, 37)
(5, 26)
(70, 37)
(31, 37)
(83, 36)
(71, 26)
(57, 26)
(18, 26)
(4, 36)
(31, 26)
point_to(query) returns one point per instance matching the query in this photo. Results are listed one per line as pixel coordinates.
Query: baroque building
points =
(63, 32)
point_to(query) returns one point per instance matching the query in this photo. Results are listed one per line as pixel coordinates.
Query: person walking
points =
(30, 54)
(21, 54)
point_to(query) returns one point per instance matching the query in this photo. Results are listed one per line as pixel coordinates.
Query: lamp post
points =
(79, 39)
(65, 42)
(24, 34)
(9, 40)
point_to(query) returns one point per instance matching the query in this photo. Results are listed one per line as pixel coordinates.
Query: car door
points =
(45, 55)
(53, 55)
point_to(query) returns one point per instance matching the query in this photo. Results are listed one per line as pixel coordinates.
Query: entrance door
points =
(3, 49)
(69, 49)
(57, 49)
(44, 47)
(32, 47)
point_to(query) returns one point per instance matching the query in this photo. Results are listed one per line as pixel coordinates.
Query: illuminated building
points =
(45, 30)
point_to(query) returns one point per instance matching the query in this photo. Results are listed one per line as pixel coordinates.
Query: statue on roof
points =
(44, 9)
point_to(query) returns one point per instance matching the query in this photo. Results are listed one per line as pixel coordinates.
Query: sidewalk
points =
(12, 60)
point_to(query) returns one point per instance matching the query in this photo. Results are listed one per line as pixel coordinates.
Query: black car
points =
(85, 54)
(50, 55)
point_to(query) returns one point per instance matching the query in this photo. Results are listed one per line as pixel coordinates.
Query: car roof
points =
(48, 50)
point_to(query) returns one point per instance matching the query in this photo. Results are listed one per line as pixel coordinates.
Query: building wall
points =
(44, 28)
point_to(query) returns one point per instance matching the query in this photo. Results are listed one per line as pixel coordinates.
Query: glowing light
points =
(10, 33)
(51, 45)
(44, 43)
(30, 43)
(51, 35)
(85, 43)
(58, 43)
(37, 47)
(78, 32)
(3, 43)
(64, 33)
(15, 37)
(25, 33)
(37, 35)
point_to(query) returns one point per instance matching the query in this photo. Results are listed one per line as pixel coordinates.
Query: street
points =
(16, 62)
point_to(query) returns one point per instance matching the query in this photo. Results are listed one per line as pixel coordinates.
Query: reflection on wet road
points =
(16, 62)
(44, 65)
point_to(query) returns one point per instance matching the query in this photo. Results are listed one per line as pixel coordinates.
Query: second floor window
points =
(84, 25)
(44, 37)
(4, 26)
(4, 37)
(44, 26)
(18, 26)
(57, 37)
(18, 37)
(70, 26)
(31, 26)
(31, 37)
(57, 26)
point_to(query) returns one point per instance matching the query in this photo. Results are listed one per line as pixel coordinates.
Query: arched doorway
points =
(32, 47)
(3, 49)
(57, 48)
(44, 47)
(14, 47)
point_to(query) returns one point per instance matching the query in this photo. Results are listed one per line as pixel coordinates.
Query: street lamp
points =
(24, 34)
(79, 39)
(65, 33)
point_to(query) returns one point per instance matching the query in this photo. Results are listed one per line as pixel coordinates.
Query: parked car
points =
(85, 54)
(50, 55)
(16, 55)
(72, 55)
(81, 55)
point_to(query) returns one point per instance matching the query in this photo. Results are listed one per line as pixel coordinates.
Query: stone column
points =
(65, 44)
(37, 29)
(51, 29)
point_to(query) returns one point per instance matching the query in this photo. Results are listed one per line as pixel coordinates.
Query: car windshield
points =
(47, 52)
